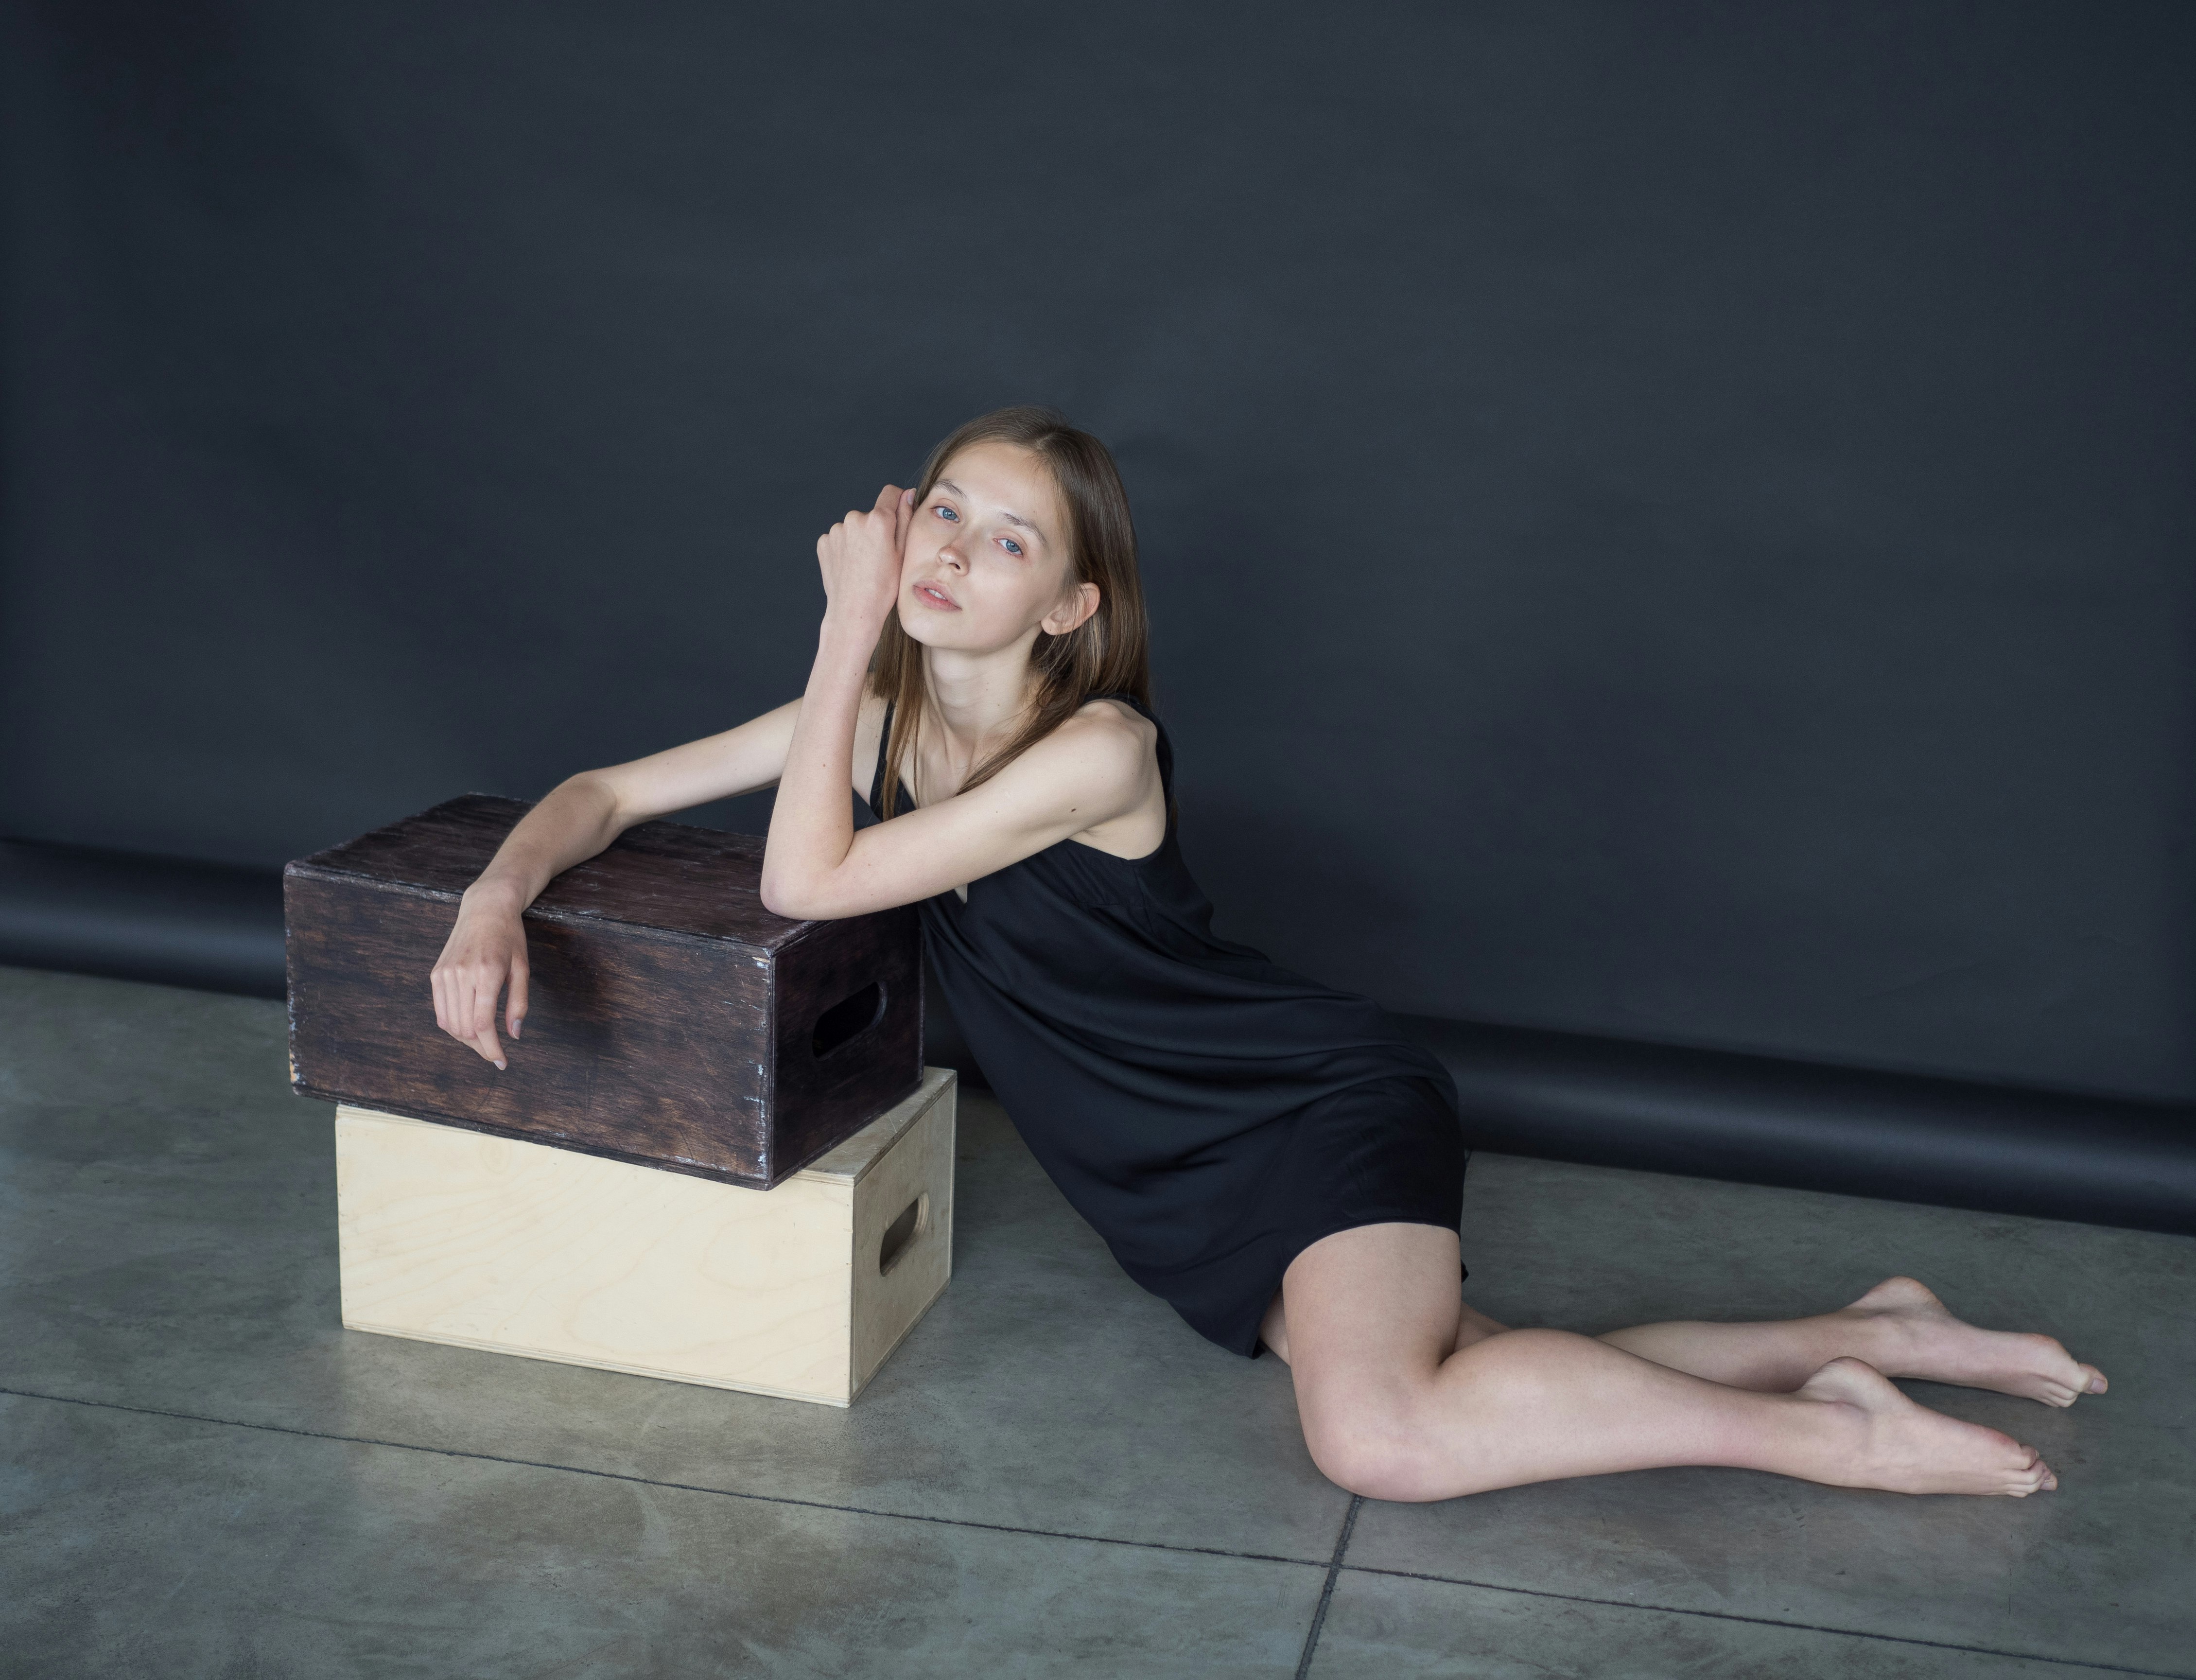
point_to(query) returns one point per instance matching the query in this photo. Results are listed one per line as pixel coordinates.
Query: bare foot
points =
(1937, 1347)
(1909, 1449)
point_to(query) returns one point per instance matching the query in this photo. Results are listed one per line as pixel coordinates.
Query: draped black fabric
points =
(1210, 1113)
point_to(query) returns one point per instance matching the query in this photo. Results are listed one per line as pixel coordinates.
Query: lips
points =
(931, 595)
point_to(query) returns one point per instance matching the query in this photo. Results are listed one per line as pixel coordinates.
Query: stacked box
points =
(486, 1242)
(715, 1155)
(673, 1021)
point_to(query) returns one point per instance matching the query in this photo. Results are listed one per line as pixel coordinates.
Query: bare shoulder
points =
(1117, 747)
(1109, 735)
(1097, 756)
(1117, 718)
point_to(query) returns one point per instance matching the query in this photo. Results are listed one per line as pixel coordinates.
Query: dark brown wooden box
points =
(671, 1021)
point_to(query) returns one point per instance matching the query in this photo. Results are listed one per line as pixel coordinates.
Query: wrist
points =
(492, 895)
(848, 639)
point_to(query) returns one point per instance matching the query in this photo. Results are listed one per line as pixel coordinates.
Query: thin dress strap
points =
(877, 778)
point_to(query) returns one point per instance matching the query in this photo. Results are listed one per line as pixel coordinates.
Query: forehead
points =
(1008, 479)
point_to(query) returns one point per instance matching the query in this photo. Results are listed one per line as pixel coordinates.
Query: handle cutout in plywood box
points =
(847, 1019)
(900, 1235)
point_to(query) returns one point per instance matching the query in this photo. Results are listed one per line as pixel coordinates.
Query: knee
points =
(1373, 1449)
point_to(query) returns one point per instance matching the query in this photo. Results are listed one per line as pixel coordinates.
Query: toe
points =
(2034, 1476)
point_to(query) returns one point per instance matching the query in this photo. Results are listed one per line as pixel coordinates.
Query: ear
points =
(1071, 614)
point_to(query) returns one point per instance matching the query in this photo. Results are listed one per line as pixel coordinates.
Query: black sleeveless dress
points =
(1208, 1113)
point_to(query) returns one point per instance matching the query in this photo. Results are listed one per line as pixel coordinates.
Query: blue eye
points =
(1012, 547)
(948, 514)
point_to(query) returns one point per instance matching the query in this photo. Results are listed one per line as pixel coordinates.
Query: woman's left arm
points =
(815, 866)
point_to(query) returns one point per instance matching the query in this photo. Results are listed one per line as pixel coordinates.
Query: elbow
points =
(589, 791)
(782, 900)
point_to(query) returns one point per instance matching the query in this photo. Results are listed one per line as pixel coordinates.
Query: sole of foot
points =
(1906, 1448)
(1941, 1349)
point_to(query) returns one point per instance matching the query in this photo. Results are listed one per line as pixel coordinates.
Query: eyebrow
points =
(1011, 519)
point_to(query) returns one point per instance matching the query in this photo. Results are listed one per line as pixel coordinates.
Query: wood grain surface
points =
(671, 1019)
(668, 875)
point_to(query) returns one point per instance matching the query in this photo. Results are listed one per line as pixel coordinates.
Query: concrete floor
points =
(204, 1475)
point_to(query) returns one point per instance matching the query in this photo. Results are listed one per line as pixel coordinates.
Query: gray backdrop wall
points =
(1668, 521)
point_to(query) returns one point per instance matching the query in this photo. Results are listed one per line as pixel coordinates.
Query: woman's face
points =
(987, 555)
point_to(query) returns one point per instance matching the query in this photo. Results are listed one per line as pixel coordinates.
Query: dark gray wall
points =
(1671, 521)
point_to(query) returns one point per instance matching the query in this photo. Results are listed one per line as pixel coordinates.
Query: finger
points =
(515, 1010)
(904, 512)
(480, 1014)
(454, 1004)
(481, 1024)
(887, 499)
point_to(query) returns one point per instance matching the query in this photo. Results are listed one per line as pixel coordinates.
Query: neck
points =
(978, 701)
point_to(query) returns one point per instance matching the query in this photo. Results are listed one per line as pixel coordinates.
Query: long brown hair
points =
(1107, 653)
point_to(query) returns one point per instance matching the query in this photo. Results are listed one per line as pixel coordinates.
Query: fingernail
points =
(515, 1027)
(502, 1065)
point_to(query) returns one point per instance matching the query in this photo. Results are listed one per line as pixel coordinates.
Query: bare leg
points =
(1470, 1325)
(1898, 1327)
(1402, 1398)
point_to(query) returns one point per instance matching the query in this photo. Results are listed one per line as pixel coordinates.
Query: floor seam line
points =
(1770, 1621)
(673, 1486)
(1334, 1565)
(1326, 1591)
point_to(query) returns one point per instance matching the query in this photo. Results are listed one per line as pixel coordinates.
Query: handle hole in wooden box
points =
(899, 1236)
(847, 1020)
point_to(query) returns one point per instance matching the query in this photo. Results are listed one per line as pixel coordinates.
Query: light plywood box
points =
(461, 1237)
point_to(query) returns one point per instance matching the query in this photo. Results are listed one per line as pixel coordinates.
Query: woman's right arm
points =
(487, 948)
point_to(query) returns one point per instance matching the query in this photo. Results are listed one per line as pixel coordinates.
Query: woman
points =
(1268, 1153)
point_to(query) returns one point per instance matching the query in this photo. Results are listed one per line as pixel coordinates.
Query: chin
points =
(955, 638)
(918, 623)
(934, 628)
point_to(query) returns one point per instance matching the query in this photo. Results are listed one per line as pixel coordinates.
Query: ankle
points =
(1890, 1341)
(1840, 1439)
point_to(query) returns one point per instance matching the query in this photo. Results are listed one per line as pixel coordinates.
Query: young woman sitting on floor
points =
(1268, 1153)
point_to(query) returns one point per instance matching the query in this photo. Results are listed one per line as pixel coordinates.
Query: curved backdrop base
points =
(1563, 1096)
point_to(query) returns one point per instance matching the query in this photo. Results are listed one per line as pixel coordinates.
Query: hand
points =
(860, 559)
(487, 946)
